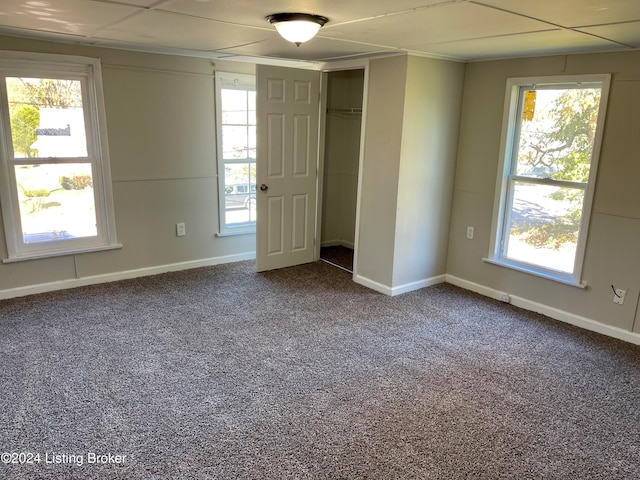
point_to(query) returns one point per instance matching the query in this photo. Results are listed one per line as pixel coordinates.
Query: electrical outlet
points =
(181, 231)
(618, 296)
(470, 233)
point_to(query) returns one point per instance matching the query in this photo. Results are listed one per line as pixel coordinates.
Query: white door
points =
(288, 106)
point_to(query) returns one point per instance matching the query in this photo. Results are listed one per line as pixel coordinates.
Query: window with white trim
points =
(56, 191)
(236, 120)
(552, 130)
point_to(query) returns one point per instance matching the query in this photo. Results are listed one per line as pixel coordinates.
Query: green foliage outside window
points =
(560, 148)
(24, 121)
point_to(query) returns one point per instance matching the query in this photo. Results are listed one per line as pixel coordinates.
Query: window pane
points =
(545, 222)
(56, 202)
(47, 117)
(235, 142)
(557, 133)
(238, 142)
(233, 100)
(234, 117)
(240, 193)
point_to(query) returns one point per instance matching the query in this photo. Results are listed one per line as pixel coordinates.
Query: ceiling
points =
(463, 30)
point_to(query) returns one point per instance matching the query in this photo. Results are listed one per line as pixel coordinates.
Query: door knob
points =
(264, 187)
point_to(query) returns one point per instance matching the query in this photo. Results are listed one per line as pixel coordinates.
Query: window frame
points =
(237, 81)
(88, 72)
(503, 198)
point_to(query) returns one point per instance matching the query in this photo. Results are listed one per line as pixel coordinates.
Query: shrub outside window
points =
(56, 191)
(552, 132)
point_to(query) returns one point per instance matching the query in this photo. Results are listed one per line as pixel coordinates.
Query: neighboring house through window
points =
(56, 190)
(236, 120)
(551, 139)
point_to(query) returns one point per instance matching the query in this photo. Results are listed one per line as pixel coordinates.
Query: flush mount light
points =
(297, 27)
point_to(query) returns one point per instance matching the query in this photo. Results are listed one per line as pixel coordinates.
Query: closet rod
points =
(345, 111)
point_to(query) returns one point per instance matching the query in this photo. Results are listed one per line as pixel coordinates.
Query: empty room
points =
(319, 240)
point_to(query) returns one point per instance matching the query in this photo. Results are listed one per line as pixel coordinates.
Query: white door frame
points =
(360, 64)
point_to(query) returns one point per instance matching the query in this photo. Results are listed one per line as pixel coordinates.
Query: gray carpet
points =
(224, 373)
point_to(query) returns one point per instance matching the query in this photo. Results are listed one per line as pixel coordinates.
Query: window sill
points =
(232, 233)
(537, 273)
(39, 256)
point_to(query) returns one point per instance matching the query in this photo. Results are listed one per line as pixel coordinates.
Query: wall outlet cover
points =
(618, 296)
(470, 233)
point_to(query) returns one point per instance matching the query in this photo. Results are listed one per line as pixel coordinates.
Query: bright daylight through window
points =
(54, 196)
(236, 113)
(551, 141)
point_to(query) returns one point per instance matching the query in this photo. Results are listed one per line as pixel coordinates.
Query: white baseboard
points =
(410, 287)
(378, 287)
(337, 243)
(477, 288)
(123, 275)
(399, 290)
(555, 313)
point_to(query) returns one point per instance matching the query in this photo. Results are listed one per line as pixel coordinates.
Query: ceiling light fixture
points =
(297, 27)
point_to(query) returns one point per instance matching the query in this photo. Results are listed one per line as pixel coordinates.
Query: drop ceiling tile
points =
(253, 12)
(527, 44)
(573, 13)
(626, 33)
(455, 21)
(180, 31)
(318, 49)
(44, 35)
(76, 17)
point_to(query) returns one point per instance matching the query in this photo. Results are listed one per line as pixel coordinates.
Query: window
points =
(56, 192)
(236, 114)
(551, 140)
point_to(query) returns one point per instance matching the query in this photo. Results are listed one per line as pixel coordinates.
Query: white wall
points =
(161, 126)
(612, 251)
(432, 103)
(409, 160)
(380, 170)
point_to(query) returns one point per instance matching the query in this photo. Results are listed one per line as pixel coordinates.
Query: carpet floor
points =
(223, 373)
(338, 255)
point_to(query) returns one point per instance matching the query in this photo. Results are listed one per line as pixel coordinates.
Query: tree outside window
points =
(549, 163)
(56, 198)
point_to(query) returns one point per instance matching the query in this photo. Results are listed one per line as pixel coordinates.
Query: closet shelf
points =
(345, 111)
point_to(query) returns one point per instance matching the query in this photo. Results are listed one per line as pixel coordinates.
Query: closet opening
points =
(343, 126)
